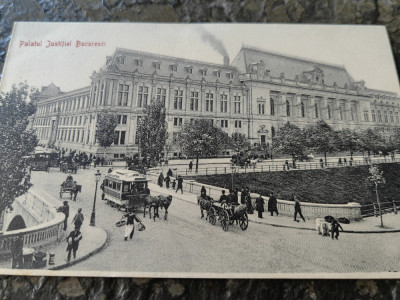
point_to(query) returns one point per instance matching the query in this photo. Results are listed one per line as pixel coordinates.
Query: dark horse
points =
(70, 187)
(205, 204)
(156, 202)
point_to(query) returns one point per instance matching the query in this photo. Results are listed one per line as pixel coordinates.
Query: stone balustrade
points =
(49, 228)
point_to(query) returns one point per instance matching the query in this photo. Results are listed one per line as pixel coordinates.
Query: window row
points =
(178, 122)
(377, 116)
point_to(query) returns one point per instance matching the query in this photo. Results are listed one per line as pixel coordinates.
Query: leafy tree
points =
(370, 140)
(289, 140)
(15, 143)
(348, 140)
(239, 141)
(152, 133)
(322, 138)
(378, 179)
(105, 129)
(201, 138)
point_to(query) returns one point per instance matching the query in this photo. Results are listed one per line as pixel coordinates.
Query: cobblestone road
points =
(186, 243)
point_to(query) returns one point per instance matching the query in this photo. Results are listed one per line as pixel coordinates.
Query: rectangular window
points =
(143, 95)
(83, 133)
(224, 103)
(77, 135)
(138, 62)
(157, 65)
(178, 99)
(379, 116)
(174, 68)
(209, 102)
(116, 137)
(373, 115)
(236, 103)
(123, 91)
(261, 108)
(366, 116)
(101, 94)
(124, 119)
(122, 139)
(194, 101)
(161, 95)
(397, 117)
(391, 117)
(385, 114)
(224, 123)
(189, 70)
(238, 124)
(177, 121)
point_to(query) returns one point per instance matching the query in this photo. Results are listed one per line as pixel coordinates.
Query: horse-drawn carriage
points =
(224, 213)
(66, 167)
(71, 187)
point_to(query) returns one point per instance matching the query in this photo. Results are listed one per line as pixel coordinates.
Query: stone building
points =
(255, 95)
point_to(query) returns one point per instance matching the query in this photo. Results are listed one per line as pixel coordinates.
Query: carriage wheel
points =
(224, 217)
(244, 221)
(211, 216)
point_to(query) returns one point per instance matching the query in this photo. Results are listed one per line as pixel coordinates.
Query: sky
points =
(364, 50)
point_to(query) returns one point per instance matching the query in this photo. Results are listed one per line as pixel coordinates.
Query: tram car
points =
(125, 188)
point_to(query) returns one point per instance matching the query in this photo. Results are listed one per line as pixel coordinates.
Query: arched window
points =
(272, 106)
(316, 110)
(302, 110)
(287, 108)
(272, 132)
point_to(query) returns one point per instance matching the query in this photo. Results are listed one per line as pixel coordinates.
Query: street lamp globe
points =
(97, 176)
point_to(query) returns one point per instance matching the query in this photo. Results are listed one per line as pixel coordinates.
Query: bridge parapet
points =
(47, 229)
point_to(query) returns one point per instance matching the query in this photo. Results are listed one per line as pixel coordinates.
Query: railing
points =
(351, 210)
(370, 210)
(259, 167)
(38, 236)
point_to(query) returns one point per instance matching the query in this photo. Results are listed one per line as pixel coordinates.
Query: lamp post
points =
(93, 217)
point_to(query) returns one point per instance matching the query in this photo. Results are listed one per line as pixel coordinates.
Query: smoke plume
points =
(210, 39)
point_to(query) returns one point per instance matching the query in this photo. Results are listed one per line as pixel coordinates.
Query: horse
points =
(155, 202)
(205, 204)
(77, 188)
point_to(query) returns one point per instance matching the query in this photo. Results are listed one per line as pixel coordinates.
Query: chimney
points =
(226, 61)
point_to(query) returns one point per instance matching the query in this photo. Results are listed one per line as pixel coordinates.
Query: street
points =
(187, 243)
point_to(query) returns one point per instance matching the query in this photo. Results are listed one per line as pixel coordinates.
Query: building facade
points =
(255, 95)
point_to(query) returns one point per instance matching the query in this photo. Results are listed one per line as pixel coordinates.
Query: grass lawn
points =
(334, 186)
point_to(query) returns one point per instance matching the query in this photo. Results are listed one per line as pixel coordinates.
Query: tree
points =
(16, 142)
(370, 140)
(377, 178)
(348, 140)
(322, 138)
(152, 133)
(105, 129)
(239, 142)
(289, 140)
(201, 138)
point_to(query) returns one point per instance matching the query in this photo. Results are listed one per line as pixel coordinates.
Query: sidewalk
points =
(93, 240)
(367, 225)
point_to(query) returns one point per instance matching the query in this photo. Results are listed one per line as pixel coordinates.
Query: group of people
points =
(178, 183)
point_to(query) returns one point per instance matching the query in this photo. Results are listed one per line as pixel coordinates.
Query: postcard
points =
(199, 151)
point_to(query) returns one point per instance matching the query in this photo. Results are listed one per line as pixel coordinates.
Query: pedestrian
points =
(236, 193)
(297, 209)
(180, 184)
(78, 219)
(260, 206)
(345, 161)
(167, 181)
(130, 218)
(169, 172)
(223, 197)
(339, 161)
(110, 170)
(287, 165)
(16, 252)
(351, 161)
(243, 195)
(173, 184)
(335, 229)
(231, 200)
(203, 192)
(321, 162)
(273, 204)
(190, 166)
(65, 209)
(161, 179)
(249, 205)
(102, 190)
(73, 240)
(102, 161)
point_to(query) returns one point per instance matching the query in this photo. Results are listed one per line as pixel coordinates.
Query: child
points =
(173, 184)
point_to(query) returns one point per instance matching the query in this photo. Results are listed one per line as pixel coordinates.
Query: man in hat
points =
(65, 209)
(16, 251)
(272, 204)
(73, 242)
(335, 229)
(260, 206)
(69, 177)
(180, 184)
(130, 218)
(297, 209)
(78, 219)
(161, 179)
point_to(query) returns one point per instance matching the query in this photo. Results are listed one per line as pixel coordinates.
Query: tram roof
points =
(126, 175)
